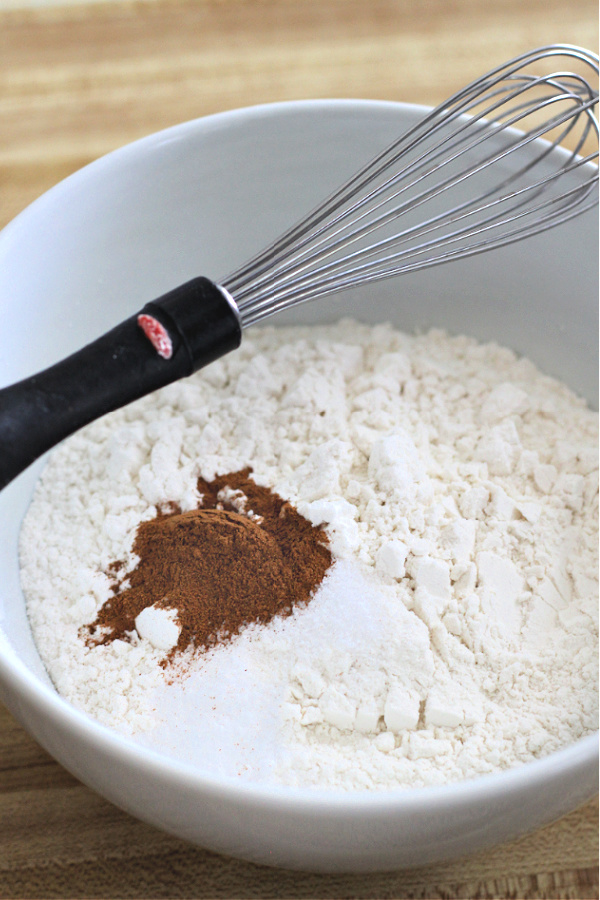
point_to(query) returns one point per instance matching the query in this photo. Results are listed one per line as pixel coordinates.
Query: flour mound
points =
(455, 633)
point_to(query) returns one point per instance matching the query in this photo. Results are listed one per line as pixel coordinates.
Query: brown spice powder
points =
(219, 568)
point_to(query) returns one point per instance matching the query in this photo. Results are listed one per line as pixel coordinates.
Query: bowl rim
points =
(581, 755)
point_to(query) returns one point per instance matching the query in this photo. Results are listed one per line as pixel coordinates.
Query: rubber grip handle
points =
(190, 326)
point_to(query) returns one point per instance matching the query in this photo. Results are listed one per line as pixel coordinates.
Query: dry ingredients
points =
(204, 574)
(455, 632)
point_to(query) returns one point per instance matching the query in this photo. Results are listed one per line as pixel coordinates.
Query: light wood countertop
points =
(77, 82)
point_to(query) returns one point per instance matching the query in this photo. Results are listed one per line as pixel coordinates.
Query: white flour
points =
(456, 632)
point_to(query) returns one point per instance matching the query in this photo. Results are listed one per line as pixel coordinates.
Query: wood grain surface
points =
(76, 82)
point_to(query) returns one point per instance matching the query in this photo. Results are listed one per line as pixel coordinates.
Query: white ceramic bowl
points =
(198, 199)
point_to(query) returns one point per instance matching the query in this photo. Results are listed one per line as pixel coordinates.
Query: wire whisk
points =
(488, 167)
(405, 210)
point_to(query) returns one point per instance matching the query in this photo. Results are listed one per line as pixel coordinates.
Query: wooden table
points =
(76, 82)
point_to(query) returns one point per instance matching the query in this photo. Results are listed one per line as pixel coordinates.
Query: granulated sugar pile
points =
(455, 632)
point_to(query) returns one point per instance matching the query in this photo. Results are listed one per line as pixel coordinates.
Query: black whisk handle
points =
(173, 336)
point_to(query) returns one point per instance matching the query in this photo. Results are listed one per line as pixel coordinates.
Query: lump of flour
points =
(455, 632)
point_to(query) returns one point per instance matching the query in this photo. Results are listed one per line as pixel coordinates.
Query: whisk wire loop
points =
(338, 237)
(487, 167)
(369, 174)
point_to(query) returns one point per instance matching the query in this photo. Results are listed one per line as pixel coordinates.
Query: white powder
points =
(456, 632)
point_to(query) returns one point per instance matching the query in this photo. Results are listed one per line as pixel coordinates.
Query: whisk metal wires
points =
(406, 209)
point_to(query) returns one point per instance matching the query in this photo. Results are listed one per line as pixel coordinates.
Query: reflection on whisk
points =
(406, 209)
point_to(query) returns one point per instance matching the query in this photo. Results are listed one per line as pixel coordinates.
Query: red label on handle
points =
(157, 334)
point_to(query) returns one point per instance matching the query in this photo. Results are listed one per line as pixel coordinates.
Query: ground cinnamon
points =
(246, 555)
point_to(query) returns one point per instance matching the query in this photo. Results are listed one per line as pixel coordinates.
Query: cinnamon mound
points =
(218, 567)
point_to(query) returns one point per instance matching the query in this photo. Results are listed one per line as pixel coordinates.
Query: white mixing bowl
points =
(198, 199)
